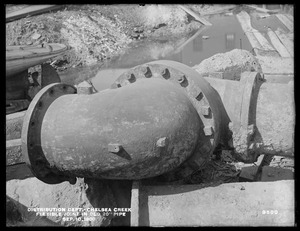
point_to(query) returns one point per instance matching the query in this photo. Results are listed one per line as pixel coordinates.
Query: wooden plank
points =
(30, 10)
(195, 15)
(256, 39)
(290, 17)
(286, 21)
(286, 41)
(263, 41)
(135, 204)
(262, 9)
(278, 45)
(244, 20)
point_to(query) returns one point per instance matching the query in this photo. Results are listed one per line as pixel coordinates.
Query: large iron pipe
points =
(271, 111)
(138, 131)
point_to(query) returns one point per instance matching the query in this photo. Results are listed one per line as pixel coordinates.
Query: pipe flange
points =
(204, 98)
(31, 135)
(244, 129)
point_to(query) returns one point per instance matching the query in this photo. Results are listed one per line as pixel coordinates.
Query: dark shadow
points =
(122, 153)
(111, 194)
(18, 171)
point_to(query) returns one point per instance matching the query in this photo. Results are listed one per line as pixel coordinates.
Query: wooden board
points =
(278, 45)
(289, 24)
(20, 58)
(196, 16)
(30, 10)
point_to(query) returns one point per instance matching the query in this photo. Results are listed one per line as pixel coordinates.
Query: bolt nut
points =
(164, 71)
(208, 130)
(205, 110)
(130, 76)
(146, 71)
(181, 79)
(162, 142)
(114, 148)
(199, 96)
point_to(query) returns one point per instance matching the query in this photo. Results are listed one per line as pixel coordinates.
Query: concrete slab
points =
(233, 204)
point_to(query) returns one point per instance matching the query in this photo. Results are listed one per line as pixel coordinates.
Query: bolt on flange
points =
(162, 142)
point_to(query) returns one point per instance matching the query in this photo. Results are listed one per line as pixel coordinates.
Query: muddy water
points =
(224, 35)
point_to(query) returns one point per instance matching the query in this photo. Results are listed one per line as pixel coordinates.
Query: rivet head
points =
(208, 130)
(205, 110)
(114, 148)
(162, 142)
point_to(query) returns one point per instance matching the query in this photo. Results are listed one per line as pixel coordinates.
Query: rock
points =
(231, 63)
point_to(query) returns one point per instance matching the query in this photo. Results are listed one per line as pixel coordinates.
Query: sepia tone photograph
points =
(150, 115)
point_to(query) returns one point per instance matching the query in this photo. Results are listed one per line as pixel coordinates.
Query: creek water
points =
(224, 35)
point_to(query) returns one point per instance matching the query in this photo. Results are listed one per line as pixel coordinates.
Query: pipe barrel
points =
(262, 115)
(138, 131)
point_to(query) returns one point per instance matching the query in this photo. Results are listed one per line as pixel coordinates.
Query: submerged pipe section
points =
(138, 131)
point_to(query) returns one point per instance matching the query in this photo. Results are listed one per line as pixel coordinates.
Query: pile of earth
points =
(231, 64)
(98, 32)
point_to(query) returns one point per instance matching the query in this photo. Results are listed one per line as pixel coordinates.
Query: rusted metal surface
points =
(204, 98)
(159, 118)
(31, 132)
(134, 117)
